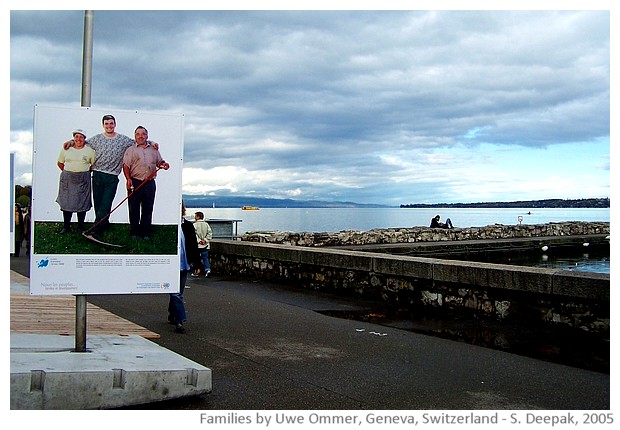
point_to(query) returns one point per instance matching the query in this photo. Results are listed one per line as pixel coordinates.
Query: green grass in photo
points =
(48, 240)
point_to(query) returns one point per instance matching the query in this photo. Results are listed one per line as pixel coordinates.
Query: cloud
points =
(368, 106)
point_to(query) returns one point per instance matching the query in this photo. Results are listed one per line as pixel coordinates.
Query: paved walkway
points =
(269, 348)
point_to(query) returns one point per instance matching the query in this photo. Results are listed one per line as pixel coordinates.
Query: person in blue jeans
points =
(190, 258)
(204, 234)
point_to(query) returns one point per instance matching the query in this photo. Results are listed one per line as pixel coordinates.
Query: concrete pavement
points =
(270, 347)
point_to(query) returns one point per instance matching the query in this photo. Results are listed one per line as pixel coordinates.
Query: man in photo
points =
(140, 165)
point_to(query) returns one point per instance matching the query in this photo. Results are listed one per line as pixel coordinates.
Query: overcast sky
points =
(389, 107)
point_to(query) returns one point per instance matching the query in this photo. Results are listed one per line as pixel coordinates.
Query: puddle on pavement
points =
(582, 350)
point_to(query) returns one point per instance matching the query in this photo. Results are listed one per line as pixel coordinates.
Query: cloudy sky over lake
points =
(382, 107)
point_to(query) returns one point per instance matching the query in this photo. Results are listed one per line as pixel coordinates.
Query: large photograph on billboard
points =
(106, 201)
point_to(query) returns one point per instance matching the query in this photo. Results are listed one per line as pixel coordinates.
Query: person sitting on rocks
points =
(436, 224)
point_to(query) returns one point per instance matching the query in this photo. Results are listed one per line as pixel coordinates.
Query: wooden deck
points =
(56, 315)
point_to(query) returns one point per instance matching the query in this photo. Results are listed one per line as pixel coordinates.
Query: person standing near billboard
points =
(204, 234)
(189, 259)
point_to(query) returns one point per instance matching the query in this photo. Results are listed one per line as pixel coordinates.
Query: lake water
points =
(337, 219)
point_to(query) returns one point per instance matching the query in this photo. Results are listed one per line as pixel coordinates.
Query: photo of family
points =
(100, 190)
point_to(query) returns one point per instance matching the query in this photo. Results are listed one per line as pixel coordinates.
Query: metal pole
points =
(87, 64)
(87, 57)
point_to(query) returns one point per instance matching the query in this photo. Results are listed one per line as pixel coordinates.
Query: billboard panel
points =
(68, 258)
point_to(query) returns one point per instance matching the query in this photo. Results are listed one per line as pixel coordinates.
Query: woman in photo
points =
(74, 190)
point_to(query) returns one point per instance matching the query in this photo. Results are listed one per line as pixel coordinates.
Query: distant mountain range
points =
(546, 203)
(194, 201)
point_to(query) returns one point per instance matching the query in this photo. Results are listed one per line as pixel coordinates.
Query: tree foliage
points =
(546, 203)
(23, 195)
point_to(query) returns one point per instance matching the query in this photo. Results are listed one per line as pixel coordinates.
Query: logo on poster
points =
(46, 262)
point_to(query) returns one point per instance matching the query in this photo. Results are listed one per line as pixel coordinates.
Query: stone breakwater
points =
(426, 234)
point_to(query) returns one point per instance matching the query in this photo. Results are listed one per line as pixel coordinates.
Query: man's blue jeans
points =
(204, 254)
(176, 305)
(141, 202)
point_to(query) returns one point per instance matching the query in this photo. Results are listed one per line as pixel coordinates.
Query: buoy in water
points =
(545, 248)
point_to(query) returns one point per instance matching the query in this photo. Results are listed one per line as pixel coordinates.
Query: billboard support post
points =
(87, 61)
